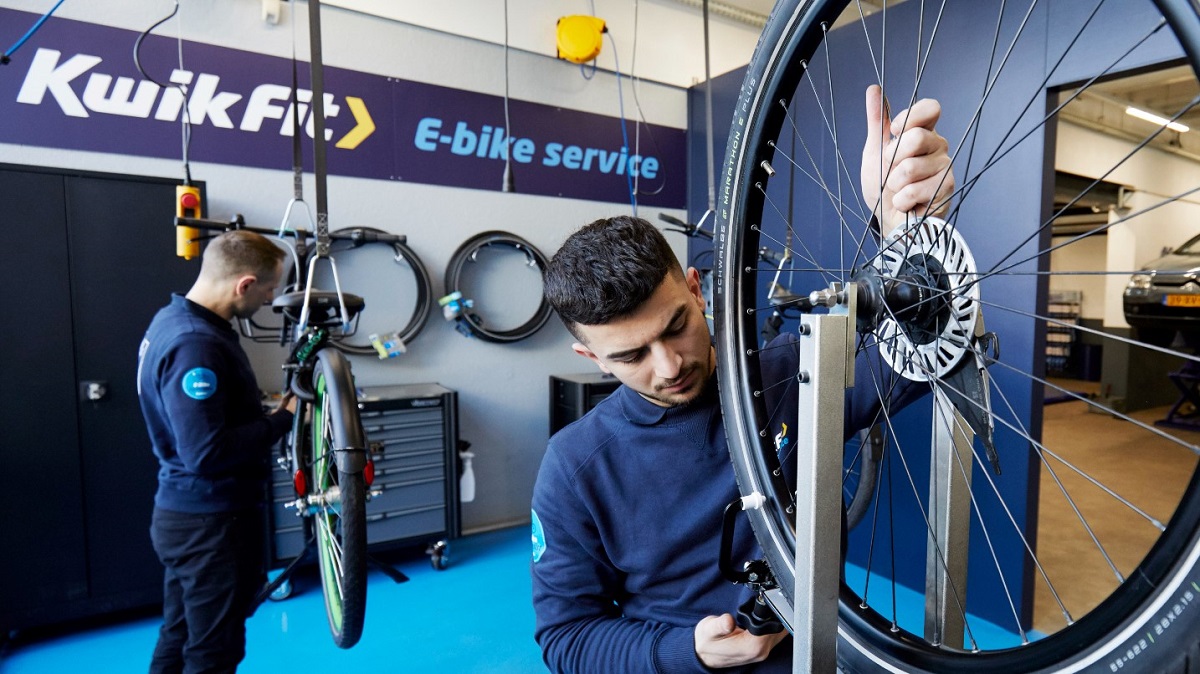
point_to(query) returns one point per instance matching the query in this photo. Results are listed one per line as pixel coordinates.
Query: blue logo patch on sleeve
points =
(199, 383)
(539, 538)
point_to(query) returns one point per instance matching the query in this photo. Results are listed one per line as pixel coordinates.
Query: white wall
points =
(669, 44)
(503, 401)
(1155, 176)
(1084, 255)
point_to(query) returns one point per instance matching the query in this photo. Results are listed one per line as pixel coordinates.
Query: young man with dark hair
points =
(627, 504)
(212, 438)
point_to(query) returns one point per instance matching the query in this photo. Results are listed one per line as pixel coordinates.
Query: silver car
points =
(1164, 297)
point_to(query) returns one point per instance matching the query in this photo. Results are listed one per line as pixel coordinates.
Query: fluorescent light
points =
(1151, 117)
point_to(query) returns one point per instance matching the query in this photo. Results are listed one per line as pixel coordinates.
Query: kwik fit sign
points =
(74, 86)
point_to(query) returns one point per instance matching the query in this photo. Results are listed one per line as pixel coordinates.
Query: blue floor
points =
(475, 616)
(910, 612)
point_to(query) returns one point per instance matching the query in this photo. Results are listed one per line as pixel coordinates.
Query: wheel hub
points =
(920, 299)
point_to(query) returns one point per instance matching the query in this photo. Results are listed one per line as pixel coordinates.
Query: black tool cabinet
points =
(574, 395)
(412, 432)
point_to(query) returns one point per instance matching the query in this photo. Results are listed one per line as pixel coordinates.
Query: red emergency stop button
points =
(189, 200)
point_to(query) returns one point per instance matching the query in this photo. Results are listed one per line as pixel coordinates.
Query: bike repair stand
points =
(826, 371)
(279, 586)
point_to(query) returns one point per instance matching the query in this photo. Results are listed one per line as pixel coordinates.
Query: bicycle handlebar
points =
(237, 222)
(357, 236)
(685, 228)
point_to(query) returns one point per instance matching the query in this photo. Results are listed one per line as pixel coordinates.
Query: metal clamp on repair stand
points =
(915, 309)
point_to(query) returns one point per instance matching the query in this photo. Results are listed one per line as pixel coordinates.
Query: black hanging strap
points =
(318, 116)
(297, 158)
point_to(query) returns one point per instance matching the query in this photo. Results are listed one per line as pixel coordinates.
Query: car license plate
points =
(1182, 300)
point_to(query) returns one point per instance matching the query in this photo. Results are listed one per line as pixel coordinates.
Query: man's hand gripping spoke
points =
(905, 162)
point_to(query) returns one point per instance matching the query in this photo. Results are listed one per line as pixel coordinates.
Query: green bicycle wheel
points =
(340, 521)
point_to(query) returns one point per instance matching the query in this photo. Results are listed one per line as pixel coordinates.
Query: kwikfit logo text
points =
(205, 103)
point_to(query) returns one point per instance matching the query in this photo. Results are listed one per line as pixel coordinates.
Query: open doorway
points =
(1124, 219)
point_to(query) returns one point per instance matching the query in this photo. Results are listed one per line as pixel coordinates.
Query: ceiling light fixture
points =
(1156, 119)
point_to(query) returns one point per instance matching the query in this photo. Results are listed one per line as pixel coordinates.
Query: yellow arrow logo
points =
(364, 128)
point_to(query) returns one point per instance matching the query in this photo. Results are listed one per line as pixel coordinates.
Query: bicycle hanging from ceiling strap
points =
(386, 345)
(457, 307)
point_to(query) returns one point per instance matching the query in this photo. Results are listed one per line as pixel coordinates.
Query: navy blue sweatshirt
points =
(202, 408)
(627, 512)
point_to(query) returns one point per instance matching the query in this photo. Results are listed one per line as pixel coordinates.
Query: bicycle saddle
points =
(323, 307)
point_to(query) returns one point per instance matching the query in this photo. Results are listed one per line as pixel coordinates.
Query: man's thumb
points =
(718, 626)
(878, 116)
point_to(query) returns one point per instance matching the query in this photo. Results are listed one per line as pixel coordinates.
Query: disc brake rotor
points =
(930, 345)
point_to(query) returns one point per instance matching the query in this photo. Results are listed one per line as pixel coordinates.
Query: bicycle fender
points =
(350, 453)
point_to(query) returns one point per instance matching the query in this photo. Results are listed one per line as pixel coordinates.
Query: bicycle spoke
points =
(940, 554)
(809, 257)
(1016, 527)
(1055, 321)
(818, 179)
(1097, 230)
(1041, 451)
(1063, 490)
(929, 529)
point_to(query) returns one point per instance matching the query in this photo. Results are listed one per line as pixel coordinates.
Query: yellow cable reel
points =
(580, 37)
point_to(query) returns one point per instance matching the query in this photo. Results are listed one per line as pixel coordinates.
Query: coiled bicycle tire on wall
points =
(1151, 622)
(421, 305)
(470, 318)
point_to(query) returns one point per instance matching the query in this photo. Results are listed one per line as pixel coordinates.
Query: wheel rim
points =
(797, 139)
(327, 519)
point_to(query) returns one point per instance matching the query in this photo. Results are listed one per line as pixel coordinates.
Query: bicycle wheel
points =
(1008, 75)
(339, 522)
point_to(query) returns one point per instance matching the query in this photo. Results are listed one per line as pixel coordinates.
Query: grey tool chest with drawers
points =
(412, 433)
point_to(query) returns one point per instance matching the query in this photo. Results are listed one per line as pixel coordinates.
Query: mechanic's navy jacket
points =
(627, 512)
(202, 408)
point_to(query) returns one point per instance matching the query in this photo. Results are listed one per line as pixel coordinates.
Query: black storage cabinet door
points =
(88, 260)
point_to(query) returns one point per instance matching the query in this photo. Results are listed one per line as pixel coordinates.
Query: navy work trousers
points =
(213, 568)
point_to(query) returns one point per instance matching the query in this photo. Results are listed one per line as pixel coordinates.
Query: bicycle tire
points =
(339, 524)
(862, 474)
(469, 318)
(422, 304)
(1150, 621)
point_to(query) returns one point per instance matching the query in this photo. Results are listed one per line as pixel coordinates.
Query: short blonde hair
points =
(240, 252)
